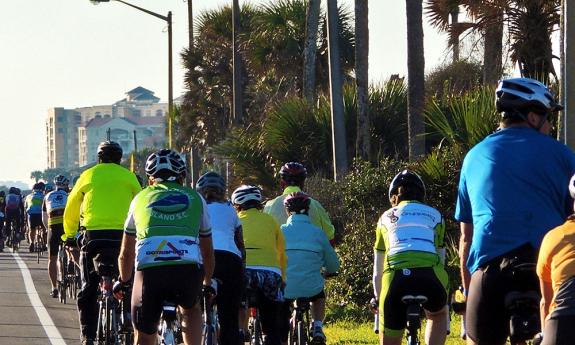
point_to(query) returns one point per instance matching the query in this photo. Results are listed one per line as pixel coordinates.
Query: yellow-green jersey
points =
(317, 214)
(264, 241)
(100, 199)
(411, 234)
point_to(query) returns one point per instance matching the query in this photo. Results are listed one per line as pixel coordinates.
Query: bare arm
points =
(546, 298)
(464, 246)
(207, 250)
(127, 257)
(239, 240)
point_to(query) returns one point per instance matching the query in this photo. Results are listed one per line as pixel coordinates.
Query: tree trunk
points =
(492, 54)
(310, 49)
(562, 86)
(415, 78)
(454, 14)
(363, 142)
(238, 102)
(335, 79)
(190, 26)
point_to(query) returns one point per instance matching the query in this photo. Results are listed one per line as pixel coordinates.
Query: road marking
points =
(51, 331)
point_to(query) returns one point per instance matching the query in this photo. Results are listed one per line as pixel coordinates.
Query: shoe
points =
(317, 335)
(87, 342)
(54, 293)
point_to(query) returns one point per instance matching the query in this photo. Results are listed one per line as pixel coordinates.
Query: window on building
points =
(60, 119)
(159, 112)
(60, 130)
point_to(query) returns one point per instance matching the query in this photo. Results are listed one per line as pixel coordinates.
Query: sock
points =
(317, 323)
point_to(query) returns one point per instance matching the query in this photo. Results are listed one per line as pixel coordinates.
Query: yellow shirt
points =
(263, 240)
(100, 199)
(556, 261)
(317, 214)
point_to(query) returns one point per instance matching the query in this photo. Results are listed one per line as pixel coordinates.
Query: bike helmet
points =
(572, 187)
(246, 193)
(12, 190)
(293, 171)
(211, 180)
(297, 202)
(2, 193)
(110, 151)
(39, 186)
(165, 165)
(61, 181)
(48, 188)
(411, 182)
(517, 94)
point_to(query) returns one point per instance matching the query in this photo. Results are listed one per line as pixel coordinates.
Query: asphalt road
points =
(28, 315)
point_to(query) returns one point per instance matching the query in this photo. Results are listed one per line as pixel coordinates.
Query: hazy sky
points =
(70, 53)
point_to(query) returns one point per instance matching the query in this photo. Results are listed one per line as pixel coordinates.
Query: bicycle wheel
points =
(257, 337)
(301, 333)
(62, 276)
(100, 336)
(167, 336)
(13, 238)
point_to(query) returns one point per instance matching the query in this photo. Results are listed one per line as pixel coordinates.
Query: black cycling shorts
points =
(430, 282)
(54, 238)
(487, 320)
(559, 331)
(179, 284)
(35, 220)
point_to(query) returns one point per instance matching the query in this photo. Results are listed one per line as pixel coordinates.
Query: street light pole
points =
(168, 20)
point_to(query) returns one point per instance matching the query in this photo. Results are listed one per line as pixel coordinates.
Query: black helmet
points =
(410, 181)
(2, 193)
(165, 165)
(210, 179)
(517, 95)
(12, 190)
(39, 186)
(293, 172)
(297, 202)
(110, 152)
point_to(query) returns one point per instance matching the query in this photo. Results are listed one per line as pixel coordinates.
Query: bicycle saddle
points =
(411, 299)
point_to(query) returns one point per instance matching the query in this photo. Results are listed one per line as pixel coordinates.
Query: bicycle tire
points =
(301, 333)
(167, 336)
(63, 284)
(13, 238)
(257, 337)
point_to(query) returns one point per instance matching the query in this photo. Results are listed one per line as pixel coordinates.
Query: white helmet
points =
(245, 193)
(165, 165)
(524, 93)
(572, 187)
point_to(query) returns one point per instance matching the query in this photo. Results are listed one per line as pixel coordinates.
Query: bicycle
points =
(211, 328)
(40, 242)
(169, 329)
(14, 237)
(63, 283)
(523, 308)
(300, 322)
(414, 313)
(111, 329)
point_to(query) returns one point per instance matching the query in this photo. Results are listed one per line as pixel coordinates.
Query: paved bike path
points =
(19, 320)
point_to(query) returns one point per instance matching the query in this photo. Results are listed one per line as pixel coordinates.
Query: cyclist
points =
(556, 271)
(229, 254)
(99, 203)
(308, 250)
(33, 206)
(408, 260)
(2, 207)
(52, 216)
(292, 179)
(511, 192)
(265, 259)
(168, 236)
(14, 212)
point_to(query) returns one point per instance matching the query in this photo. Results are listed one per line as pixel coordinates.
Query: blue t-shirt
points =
(513, 189)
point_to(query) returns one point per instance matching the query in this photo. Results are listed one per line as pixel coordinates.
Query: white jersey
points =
(53, 206)
(225, 223)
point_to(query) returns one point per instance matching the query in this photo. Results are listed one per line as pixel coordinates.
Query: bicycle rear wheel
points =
(301, 333)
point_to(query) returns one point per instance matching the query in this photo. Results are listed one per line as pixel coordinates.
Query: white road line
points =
(51, 331)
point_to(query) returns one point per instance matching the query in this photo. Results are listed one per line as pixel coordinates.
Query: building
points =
(73, 134)
(62, 137)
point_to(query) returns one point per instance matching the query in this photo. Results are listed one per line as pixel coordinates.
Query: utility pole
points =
(238, 102)
(568, 74)
(335, 84)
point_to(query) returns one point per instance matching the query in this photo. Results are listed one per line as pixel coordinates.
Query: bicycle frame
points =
(210, 330)
(414, 313)
(169, 328)
(300, 322)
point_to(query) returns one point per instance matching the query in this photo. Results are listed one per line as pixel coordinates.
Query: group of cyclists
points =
(515, 205)
(172, 242)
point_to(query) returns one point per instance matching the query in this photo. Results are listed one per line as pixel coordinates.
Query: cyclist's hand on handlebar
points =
(119, 289)
(328, 275)
(373, 305)
(70, 242)
(538, 339)
(210, 290)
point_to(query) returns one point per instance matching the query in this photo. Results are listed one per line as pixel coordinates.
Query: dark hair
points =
(410, 193)
(213, 194)
(249, 204)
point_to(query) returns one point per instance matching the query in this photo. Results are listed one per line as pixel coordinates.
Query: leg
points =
(192, 325)
(435, 330)
(53, 266)
(88, 296)
(318, 310)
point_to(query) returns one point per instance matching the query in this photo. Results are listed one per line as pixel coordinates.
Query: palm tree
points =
(36, 175)
(415, 78)
(362, 78)
(310, 49)
(444, 15)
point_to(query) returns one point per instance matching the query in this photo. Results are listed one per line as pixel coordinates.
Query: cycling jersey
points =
(13, 202)
(167, 220)
(556, 263)
(410, 234)
(33, 203)
(308, 250)
(103, 194)
(225, 223)
(264, 241)
(53, 206)
(317, 213)
(513, 190)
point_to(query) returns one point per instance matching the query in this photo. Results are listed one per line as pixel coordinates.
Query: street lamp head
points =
(96, 2)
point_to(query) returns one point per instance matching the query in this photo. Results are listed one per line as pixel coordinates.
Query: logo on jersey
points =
(392, 217)
(172, 203)
(167, 251)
